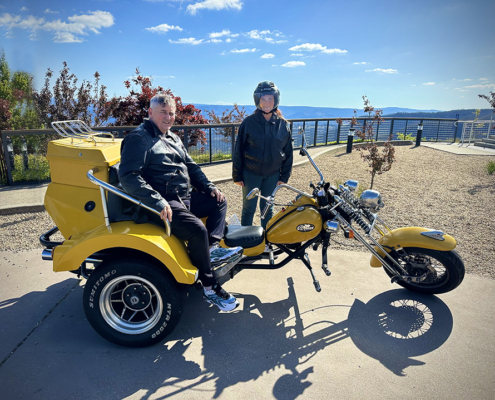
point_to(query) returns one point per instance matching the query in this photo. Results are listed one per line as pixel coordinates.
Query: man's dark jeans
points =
(186, 225)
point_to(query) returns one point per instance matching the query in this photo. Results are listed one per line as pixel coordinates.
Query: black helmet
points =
(266, 87)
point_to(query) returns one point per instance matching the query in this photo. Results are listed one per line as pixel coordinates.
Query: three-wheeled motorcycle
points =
(138, 274)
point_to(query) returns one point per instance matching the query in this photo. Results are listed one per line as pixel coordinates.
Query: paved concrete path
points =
(361, 337)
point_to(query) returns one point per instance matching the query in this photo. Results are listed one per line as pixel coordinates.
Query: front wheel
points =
(132, 303)
(440, 271)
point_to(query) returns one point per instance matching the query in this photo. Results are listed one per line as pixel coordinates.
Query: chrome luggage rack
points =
(77, 129)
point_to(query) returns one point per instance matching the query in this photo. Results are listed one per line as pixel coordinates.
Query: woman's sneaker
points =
(219, 297)
(220, 255)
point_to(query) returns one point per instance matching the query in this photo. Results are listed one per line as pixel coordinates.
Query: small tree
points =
(132, 109)
(490, 98)
(378, 162)
(16, 107)
(68, 100)
(233, 116)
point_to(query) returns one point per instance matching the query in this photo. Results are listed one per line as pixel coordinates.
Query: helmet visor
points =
(266, 101)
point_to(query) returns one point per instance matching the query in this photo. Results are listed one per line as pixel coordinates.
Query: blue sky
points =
(432, 54)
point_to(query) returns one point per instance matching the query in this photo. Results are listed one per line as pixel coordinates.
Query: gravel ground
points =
(425, 187)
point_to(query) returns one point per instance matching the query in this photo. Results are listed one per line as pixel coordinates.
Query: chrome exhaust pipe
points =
(47, 255)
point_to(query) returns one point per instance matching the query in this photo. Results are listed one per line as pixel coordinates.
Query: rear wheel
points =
(440, 271)
(133, 303)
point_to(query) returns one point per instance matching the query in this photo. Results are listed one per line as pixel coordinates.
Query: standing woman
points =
(263, 151)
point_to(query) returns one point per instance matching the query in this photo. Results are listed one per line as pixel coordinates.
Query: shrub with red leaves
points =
(133, 108)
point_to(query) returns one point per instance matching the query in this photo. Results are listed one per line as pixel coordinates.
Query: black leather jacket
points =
(155, 167)
(263, 147)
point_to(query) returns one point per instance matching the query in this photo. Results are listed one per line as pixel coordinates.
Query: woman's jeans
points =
(266, 184)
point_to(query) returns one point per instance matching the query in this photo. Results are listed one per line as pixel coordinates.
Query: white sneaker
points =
(221, 298)
(220, 255)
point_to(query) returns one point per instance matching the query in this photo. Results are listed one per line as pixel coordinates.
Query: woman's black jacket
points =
(263, 147)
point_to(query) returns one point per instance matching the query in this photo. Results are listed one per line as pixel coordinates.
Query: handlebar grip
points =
(265, 210)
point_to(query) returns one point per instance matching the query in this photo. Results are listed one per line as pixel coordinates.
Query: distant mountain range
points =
(300, 112)
(296, 112)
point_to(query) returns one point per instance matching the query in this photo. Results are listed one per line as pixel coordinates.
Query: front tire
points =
(133, 303)
(443, 270)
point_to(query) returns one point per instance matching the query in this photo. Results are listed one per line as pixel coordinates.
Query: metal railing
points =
(218, 140)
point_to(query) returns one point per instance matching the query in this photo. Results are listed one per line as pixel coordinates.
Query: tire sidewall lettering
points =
(97, 285)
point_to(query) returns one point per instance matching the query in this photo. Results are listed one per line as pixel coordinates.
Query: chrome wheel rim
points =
(131, 304)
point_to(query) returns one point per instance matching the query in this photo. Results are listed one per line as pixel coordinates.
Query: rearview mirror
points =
(252, 194)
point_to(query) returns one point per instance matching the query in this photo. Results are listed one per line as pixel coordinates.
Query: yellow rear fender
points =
(143, 238)
(413, 237)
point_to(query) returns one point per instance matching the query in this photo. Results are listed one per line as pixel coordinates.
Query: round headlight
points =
(371, 199)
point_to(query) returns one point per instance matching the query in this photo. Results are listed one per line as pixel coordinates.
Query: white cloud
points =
(65, 32)
(385, 71)
(316, 47)
(192, 41)
(66, 37)
(243, 50)
(228, 40)
(48, 11)
(266, 35)
(297, 54)
(413, 85)
(292, 64)
(358, 63)
(429, 83)
(216, 40)
(225, 32)
(214, 5)
(163, 28)
(234, 35)
(487, 86)
(24, 9)
(273, 65)
(267, 55)
(483, 79)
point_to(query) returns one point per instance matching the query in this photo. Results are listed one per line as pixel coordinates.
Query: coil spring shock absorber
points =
(348, 196)
(355, 216)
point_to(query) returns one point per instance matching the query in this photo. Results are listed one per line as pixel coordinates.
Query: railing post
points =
(326, 136)
(316, 132)
(377, 130)
(186, 139)
(455, 132)
(24, 153)
(438, 130)
(233, 142)
(338, 134)
(391, 133)
(9, 160)
(209, 143)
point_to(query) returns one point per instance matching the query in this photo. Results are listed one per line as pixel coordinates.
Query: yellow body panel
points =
(69, 162)
(65, 204)
(146, 238)
(285, 232)
(70, 189)
(411, 237)
(251, 252)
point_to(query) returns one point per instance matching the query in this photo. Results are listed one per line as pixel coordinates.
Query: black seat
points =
(244, 236)
(119, 209)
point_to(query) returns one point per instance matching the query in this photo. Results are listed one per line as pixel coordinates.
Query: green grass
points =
(490, 167)
(38, 169)
(200, 158)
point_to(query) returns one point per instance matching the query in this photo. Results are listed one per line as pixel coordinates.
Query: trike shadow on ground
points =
(210, 352)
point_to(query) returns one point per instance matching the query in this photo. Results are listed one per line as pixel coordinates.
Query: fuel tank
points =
(297, 223)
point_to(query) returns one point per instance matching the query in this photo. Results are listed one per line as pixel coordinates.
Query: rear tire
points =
(444, 269)
(133, 303)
